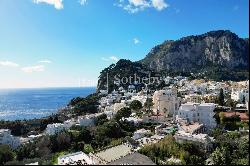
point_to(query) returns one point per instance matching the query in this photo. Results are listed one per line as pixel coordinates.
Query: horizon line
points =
(47, 87)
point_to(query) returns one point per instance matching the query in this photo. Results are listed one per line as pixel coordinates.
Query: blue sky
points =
(62, 43)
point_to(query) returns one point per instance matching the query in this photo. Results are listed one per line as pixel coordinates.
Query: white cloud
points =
(82, 2)
(136, 41)
(139, 3)
(8, 64)
(111, 58)
(45, 61)
(159, 4)
(31, 69)
(58, 4)
(134, 6)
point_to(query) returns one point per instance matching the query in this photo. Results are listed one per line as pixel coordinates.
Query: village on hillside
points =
(188, 111)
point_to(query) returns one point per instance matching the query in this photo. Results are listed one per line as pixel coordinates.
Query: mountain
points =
(221, 50)
(123, 73)
(217, 55)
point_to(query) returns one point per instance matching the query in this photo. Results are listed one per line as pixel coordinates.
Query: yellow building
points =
(193, 98)
(210, 98)
(207, 98)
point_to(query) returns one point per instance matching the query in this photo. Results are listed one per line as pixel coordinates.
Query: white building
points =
(134, 120)
(54, 128)
(140, 134)
(8, 139)
(106, 101)
(201, 140)
(88, 120)
(36, 163)
(34, 136)
(69, 123)
(141, 98)
(78, 158)
(109, 114)
(118, 106)
(193, 128)
(238, 95)
(195, 112)
(107, 108)
(166, 102)
(103, 92)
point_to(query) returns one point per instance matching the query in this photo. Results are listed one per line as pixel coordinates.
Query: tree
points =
(123, 113)
(221, 97)
(101, 119)
(222, 117)
(6, 154)
(244, 99)
(88, 148)
(85, 105)
(104, 133)
(195, 160)
(216, 132)
(54, 160)
(60, 142)
(132, 141)
(38, 148)
(74, 101)
(243, 147)
(220, 156)
(148, 104)
(136, 105)
(85, 135)
(41, 161)
(232, 104)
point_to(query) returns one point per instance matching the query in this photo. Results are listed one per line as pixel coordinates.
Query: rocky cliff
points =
(218, 55)
(195, 53)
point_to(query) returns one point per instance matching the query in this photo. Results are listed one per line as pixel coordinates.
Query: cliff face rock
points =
(193, 53)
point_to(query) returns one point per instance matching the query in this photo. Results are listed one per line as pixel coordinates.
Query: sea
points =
(20, 104)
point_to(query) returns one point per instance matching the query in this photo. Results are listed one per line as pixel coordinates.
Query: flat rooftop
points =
(133, 159)
(243, 116)
(114, 153)
(190, 128)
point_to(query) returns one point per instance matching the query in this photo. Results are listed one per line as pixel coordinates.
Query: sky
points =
(66, 43)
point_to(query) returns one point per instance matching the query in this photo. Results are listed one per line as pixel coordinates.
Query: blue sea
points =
(19, 104)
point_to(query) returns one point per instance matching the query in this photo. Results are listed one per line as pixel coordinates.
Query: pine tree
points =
(244, 99)
(221, 97)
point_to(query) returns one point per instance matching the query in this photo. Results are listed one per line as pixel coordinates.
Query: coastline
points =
(41, 103)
